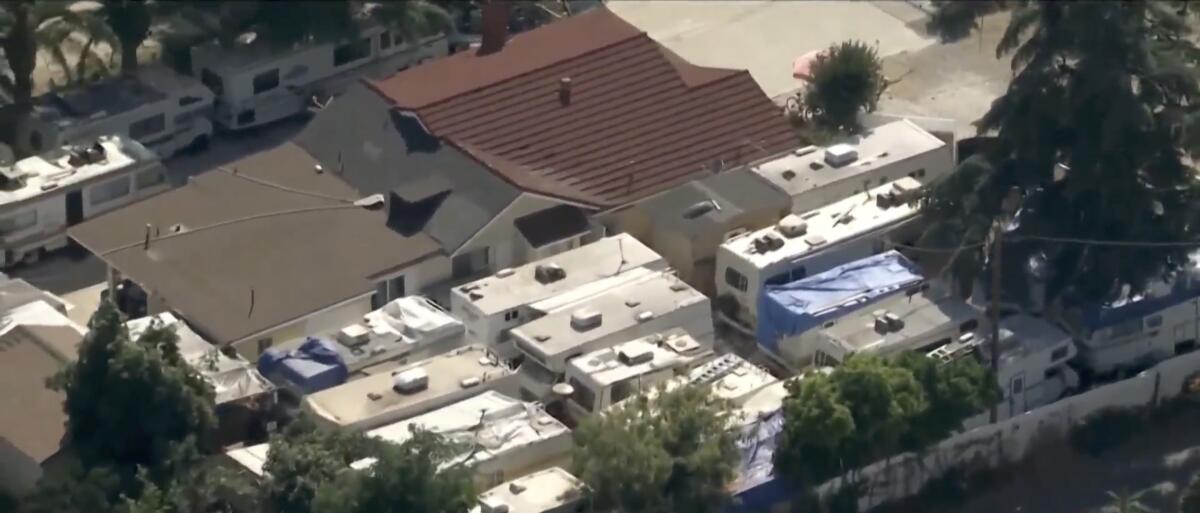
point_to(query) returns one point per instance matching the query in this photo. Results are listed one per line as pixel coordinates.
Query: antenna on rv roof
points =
(620, 251)
(251, 312)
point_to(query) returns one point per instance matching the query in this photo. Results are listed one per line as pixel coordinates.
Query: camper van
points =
(800, 245)
(165, 111)
(256, 83)
(41, 196)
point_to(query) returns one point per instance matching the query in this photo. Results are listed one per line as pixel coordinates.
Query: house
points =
(36, 341)
(800, 245)
(651, 305)
(491, 306)
(403, 392)
(686, 223)
(503, 155)
(553, 490)
(502, 437)
(262, 251)
(241, 394)
(815, 177)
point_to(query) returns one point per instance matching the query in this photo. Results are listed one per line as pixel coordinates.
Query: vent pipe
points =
(564, 91)
(495, 26)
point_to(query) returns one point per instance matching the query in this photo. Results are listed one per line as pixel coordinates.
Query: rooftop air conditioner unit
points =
(492, 505)
(792, 226)
(354, 335)
(410, 381)
(585, 319)
(548, 273)
(635, 354)
(839, 155)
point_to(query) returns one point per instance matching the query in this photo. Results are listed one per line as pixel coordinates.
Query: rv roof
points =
(255, 53)
(487, 425)
(601, 259)
(1022, 335)
(619, 309)
(44, 174)
(252, 458)
(538, 492)
(604, 367)
(828, 225)
(395, 329)
(113, 96)
(922, 313)
(372, 397)
(881, 146)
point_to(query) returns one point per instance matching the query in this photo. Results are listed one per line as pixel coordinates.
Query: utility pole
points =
(1007, 207)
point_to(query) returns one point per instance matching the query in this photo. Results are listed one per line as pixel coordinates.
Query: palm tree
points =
(1127, 503)
(27, 27)
(1104, 89)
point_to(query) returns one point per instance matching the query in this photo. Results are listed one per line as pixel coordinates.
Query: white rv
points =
(553, 490)
(600, 379)
(658, 302)
(799, 245)
(43, 195)
(257, 84)
(407, 329)
(165, 111)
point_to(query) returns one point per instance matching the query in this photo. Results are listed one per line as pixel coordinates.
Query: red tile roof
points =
(640, 119)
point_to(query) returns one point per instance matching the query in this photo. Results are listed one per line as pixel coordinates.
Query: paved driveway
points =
(765, 37)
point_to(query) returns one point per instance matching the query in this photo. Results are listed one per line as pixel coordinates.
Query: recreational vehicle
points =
(257, 83)
(659, 302)
(165, 111)
(407, 329)
(800, 245)
(41, 196)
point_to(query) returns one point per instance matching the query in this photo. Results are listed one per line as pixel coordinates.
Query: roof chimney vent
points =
(548, 273)
(564, 91)
(495, 26)
(839, 155)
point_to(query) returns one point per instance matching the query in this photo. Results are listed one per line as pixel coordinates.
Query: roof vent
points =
(548, 273)
(585, 319)
(354, 335)
(504, 273)
(788, 174)
(698, 209)
(644, 316)
(800, 152)
(792, 226)
(492, 505)
(516, 488)
(839, 155)
(473, 381)
(635, 354)
(564, 90)
(815, 240)
(410, 381)
(767, 242)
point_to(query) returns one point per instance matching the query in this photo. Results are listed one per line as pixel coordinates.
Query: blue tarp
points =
(756, 487)
(312, 367)
(793, 308)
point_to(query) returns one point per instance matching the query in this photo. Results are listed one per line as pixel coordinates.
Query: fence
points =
(1010, 441)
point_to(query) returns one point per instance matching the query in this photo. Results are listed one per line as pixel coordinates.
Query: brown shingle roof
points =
(296, 263)
(640, 118)
(33, 419)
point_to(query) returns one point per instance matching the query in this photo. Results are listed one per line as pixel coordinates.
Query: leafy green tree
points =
(1108, 90)
(303, 458)
(129, 403)
(75, 490)
(844, 80)
(818, 425)
(672, 453)
(27, 27)
(1189, 502)
(404, 478)
(955, 392)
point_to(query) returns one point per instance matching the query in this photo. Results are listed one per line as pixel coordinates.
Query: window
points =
(212, 81)
(1018, 385)
(582, 395)
(920, 173)
(396, 287)
(511, 315)
(1059, 354)
(264, 344)
(109, 191)
(968, 326)
(778, 279)
(245, 117)
(189, 100)
(470, 262)
(352, 51)
(735, 279)
(266, 81)
(149, 178)
(1185, 346)
(385, 40)
(1154, 321)
(1126, 329)
(18, 222)
(824, 360)
(624, 389)
(149, 126)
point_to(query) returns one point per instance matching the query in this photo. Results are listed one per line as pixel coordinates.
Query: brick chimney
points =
(495, 26)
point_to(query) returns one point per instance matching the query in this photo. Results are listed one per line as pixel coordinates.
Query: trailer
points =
(41, 196)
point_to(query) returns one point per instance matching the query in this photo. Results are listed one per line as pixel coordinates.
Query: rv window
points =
(920, 173)
(352, 51)
(583, 396)
(968, 326)
(18, 222)
(1186, 346)
(212, 81)
(1018, 385)
(1154, 321)
(264, 344)
(188, 100)
(266, 81)
(385, 40)
(624, 389)
(149, 178)
(245, 117)
(1059, 354)
(109, 191)
(735, 279)
(778, 279)
(510, 315)
(149, 126)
